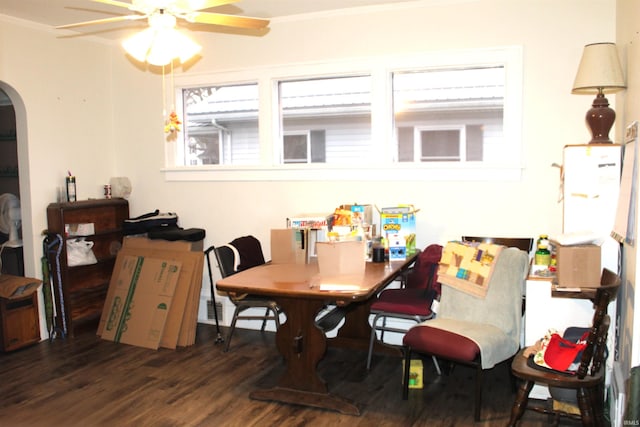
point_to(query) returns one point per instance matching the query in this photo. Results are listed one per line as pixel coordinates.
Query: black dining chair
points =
(229, 261)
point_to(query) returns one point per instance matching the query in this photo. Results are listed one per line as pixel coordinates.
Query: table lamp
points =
(599, 72)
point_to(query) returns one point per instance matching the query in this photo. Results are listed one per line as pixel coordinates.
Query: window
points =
(221, 125)
(338, 109)
(442, 114)
(307, 147)
(434, 115)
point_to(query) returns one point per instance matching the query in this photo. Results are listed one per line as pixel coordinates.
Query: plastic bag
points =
(80, 252)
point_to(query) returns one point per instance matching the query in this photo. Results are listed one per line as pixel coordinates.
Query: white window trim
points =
(382, 125)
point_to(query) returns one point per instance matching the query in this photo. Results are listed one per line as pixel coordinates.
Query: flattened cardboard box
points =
(138, 300)
(181, 322)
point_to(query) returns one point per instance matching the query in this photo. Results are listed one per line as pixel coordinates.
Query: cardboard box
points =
(416, 372)
(289, 246)
(362, 214)
(397, 247)
(341, 258)
(400, 220)
(16, 287)
(308, 221)
(578, 266)
(138, 301)
(180, 319)
(174, 245)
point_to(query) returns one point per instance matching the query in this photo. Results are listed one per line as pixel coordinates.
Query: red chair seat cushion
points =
(441, 343)
(403, 301)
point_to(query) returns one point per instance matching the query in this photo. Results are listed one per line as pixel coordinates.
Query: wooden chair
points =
(588, 382)
(229, 262)
(494, 322)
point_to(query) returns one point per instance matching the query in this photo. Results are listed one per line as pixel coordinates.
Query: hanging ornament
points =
(172, 123)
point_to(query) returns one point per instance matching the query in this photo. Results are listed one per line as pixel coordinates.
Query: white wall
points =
(552, 35)
(61, 90)
(89, 109)
(628, 298)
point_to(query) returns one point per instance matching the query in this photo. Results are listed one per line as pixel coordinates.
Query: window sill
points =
(395, 173)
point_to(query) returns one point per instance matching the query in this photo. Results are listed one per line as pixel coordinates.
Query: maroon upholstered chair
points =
(474, 331)
(586, 387)
(412, 302)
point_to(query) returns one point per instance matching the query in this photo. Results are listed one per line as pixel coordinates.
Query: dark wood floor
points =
(86, 381)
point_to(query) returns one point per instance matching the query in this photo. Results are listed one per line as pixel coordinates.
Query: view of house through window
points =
(332, 115)
(451, 114)
(221, 125)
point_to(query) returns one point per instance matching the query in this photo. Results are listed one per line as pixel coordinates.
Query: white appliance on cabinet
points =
(591, 186)
(590, 189)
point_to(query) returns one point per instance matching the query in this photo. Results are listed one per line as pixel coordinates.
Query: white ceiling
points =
(61, 12)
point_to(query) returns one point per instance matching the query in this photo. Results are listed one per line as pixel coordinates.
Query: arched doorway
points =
(12, 252)
(31, 263)
(29, 243)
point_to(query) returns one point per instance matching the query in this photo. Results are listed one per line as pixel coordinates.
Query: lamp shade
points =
(599, 70)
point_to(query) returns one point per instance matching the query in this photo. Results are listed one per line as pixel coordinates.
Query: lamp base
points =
(600, 119)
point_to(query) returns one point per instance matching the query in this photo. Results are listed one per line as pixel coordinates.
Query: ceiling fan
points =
(189, 10)
(161, 43)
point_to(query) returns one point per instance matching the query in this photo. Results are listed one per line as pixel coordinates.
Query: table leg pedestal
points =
(303, 345)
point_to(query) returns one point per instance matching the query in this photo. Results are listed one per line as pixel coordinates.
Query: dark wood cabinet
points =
(80, 291)
(19, 322)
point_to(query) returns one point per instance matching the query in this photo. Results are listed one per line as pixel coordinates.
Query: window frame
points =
(384, 165)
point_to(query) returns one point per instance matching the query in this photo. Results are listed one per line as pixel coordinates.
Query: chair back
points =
(424, 274)
(522, 243)
(594, 354)
(225, 255)
(501, 306)
(250, 251)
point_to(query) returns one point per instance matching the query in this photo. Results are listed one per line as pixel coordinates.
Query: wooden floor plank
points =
(86, 381)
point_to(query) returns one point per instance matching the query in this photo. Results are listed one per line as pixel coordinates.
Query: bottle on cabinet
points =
(543, 254)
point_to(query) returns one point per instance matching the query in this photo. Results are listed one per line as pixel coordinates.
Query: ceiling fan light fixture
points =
(138, 45)
(160, 46)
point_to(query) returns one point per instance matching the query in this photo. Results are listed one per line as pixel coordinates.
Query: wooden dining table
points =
(302, 294)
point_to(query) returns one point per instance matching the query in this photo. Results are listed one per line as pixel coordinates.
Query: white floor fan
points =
(10, 219)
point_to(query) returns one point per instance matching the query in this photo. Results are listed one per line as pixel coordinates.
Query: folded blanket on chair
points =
(467, 266)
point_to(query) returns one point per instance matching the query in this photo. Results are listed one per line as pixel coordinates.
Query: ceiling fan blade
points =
(116, 3)
(194, 5)
(229, 20)
(103, 21)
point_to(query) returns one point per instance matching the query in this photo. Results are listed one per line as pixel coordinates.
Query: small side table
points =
(19, 318)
